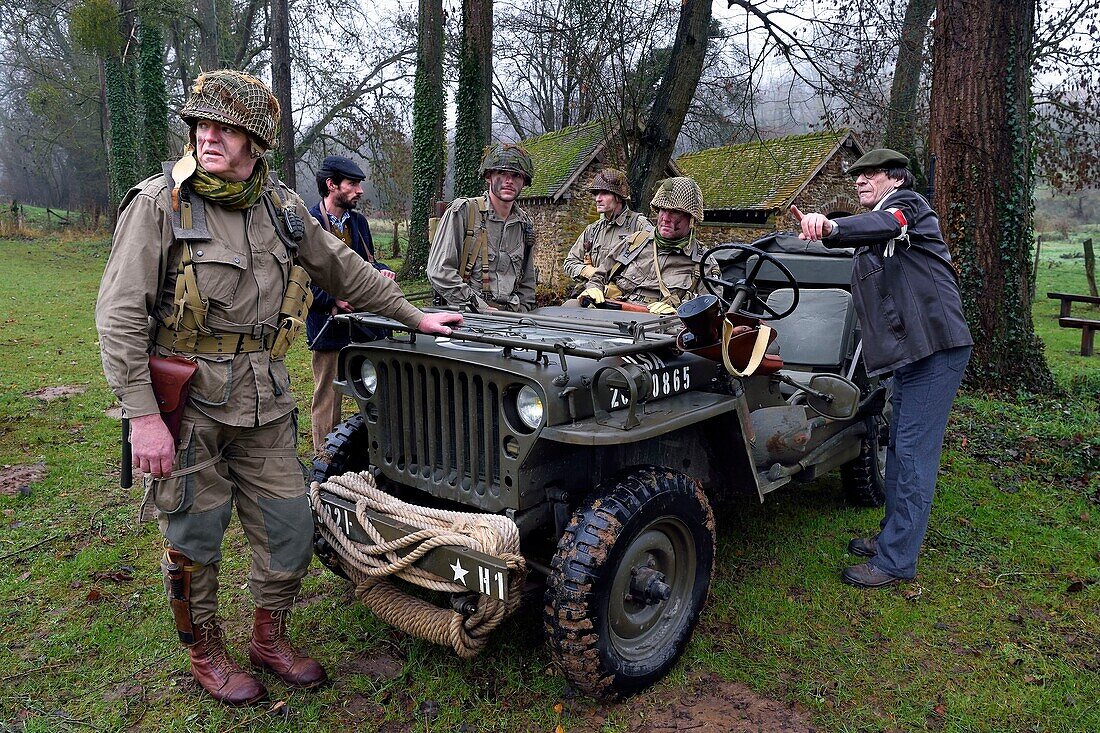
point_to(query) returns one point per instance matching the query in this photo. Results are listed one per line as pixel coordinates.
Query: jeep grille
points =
(439, 427)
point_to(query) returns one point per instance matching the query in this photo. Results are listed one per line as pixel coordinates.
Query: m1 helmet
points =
(679, 194)
(611, 180)
(507, 157)
(237, 99)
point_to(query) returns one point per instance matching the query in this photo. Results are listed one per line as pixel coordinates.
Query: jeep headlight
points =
(368, 377)
(529, 407)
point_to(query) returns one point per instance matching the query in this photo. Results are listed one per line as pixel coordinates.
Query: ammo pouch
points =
(292, 313)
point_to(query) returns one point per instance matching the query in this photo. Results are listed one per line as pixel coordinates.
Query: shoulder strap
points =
(189, 220)
(475, 243)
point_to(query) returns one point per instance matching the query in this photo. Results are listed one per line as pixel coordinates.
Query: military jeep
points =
(605, 436)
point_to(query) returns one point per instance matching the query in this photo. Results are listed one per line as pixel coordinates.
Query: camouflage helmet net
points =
(507, 157)
(679, 194)
(611, 180)
(237, 99)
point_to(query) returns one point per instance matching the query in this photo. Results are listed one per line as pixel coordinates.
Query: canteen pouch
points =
(289, 329)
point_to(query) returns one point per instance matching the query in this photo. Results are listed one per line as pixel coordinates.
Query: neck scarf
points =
(669, 246)
(232, 195)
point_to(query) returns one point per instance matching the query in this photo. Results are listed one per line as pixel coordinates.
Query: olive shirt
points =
(600, 237)
(511, 264)
(243, 271)
(630, 266)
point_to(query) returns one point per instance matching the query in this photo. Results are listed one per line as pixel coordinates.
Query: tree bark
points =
(206, 17)
(473, 125)
(681, 77)
(979, 135)
(901, 118)
(428, 141)
(280, 83)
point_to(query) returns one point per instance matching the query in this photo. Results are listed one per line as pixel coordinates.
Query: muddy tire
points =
(864, 477)
(345, 450)
(628, 581)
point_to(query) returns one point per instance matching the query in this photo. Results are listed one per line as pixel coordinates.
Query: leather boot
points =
(216, 671)
(270, 648)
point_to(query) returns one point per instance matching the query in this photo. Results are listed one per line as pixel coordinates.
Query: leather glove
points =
(612, 292)
(591, 297)
(587, 271)
(661, 308)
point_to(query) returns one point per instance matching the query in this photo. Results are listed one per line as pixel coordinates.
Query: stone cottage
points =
(749, 188)
(558, 199)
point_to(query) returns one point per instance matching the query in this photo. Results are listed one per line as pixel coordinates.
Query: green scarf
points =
(232, 195)
(669, 246)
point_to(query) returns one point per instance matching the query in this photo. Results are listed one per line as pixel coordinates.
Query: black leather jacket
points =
(908, 302)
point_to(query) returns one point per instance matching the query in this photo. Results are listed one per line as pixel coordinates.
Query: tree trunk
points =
(154, 97)
(473, 126)
(901, 119)
(122, 150)
(681, 77)
(280, 83)
(428, 142)
(1090, 267)
(979, 135)
(206, 17)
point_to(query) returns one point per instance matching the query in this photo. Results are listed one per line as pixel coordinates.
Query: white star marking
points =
(460, 572)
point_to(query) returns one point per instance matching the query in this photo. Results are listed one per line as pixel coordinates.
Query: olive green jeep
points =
(606, 436)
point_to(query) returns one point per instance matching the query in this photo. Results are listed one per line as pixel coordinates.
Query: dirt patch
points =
(710, 705)
(49, 394)
(378, 668)
(18, 479)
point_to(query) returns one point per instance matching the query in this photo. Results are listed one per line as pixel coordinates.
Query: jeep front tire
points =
(628, 581)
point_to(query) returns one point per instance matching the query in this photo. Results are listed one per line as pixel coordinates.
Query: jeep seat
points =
(818, 336)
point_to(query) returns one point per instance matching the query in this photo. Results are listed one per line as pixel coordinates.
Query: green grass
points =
(1003, 635)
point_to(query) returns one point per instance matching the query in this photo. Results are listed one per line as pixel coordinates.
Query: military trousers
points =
(920, 403)
(257, 470)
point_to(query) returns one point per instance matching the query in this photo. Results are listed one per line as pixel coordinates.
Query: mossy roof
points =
(765, 174)
(559, 155)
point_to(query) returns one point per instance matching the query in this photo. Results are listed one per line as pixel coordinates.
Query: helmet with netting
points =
(237, 99)
(679, 194)
(507, 157)
(611, 180)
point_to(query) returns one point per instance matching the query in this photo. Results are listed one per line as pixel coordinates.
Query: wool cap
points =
(879, 158)
(341, 166)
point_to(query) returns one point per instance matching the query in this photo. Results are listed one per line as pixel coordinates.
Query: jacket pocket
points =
(891, 318)
(213, 381)
(218, 270)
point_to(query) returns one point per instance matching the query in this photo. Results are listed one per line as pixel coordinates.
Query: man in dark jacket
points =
(906, 294)
(339, 183)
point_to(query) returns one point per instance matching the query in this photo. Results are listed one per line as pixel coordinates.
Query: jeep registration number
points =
(665, 381)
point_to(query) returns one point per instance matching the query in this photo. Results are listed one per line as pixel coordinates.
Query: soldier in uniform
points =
(213, 261)
(660, 268)
(482, 256)
(612, 192)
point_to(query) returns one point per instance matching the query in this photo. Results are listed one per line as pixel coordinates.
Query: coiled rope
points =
(369, 565)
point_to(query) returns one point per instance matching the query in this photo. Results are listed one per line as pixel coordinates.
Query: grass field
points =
(1001, 633)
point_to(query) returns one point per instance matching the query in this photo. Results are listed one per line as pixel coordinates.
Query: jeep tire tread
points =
(345, 450)
(608, 637)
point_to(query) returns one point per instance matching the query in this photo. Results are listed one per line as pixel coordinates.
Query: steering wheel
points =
(745, 292)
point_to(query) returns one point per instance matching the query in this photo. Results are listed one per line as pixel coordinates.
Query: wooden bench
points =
(1088, 328)
(1068, 299)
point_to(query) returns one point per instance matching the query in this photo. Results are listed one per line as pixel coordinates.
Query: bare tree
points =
(474, 99)
(280, 82)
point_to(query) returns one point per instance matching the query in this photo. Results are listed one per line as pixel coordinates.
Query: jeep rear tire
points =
(864, 477)
(628, 581)
(345, 450)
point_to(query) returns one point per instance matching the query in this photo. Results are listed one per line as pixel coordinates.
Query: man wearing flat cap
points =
(339, 184)
(211, 264)
(906, 294)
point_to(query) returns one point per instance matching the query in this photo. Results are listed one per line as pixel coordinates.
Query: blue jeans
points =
(923, 393)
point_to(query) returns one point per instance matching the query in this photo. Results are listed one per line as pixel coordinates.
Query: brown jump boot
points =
(216, 671)
(271, 649)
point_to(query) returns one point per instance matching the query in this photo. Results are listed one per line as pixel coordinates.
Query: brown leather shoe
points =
(867, 575)
(271, 649)
(863, 546)
(215, 670)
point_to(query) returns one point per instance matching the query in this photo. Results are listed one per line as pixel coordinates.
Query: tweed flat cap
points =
(342, 166)
(878, 158)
